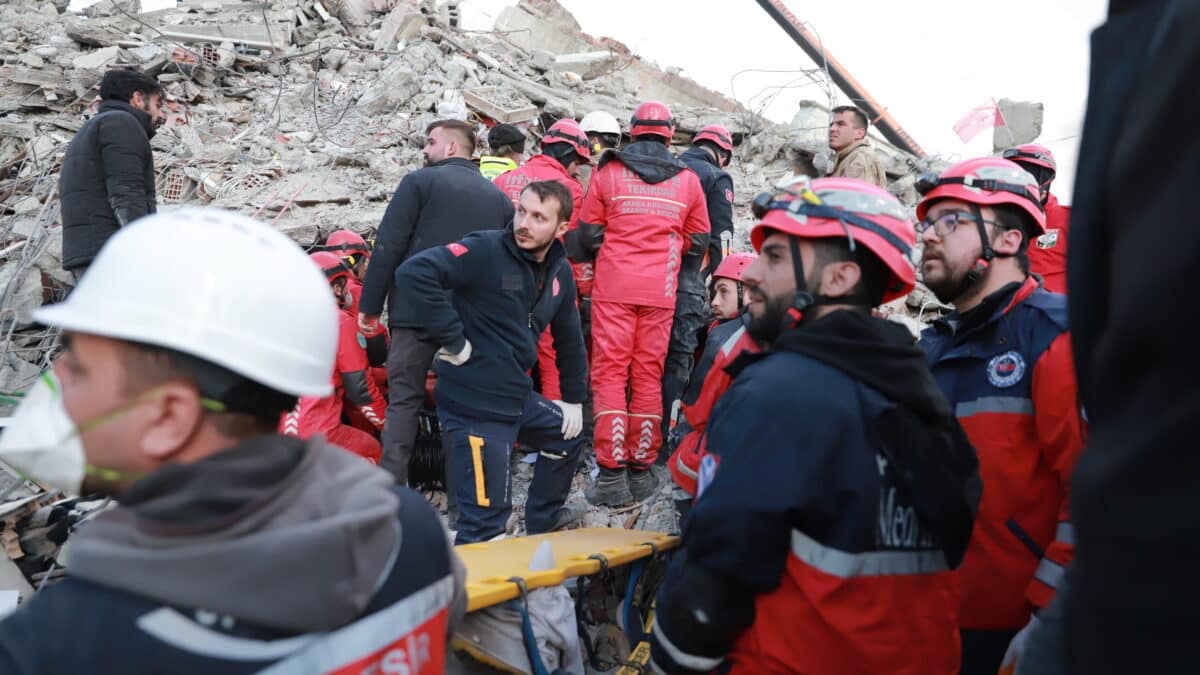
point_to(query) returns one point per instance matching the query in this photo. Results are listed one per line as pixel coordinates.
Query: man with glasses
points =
(1003, 358)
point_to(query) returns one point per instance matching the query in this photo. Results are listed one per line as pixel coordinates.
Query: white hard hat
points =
(600, 122)
(215, 285)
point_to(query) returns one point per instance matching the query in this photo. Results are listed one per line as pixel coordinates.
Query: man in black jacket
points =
(711, 152)
(433, 206)
(107, 178)
(485, 300)
(1131, 597)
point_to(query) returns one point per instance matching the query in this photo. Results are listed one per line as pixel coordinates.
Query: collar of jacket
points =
(143, 117)
(548, 161)
(1003, 300)
(651, 161)
(455, 161)
(700, 153)
(845, 152)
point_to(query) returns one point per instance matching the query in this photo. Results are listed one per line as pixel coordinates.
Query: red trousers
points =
(629, 350)
(357, 441)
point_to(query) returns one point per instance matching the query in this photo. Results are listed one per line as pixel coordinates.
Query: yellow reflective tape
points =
(481, 497)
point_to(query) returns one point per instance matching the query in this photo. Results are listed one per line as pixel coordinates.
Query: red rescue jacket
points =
(1011, 380)
(351, 380)
(1048, 253)
(685, 461)
(643, 212)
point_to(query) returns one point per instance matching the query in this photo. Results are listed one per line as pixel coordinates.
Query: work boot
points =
(610, 489)
(570, 515)
(642, 483)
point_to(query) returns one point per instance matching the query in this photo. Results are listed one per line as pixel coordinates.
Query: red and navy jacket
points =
(1007, 368)
(353, 385)
(804, 551)
(726, 341)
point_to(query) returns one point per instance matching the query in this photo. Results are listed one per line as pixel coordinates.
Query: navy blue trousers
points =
(478, 455)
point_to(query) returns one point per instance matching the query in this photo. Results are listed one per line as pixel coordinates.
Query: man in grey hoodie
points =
(231, 549)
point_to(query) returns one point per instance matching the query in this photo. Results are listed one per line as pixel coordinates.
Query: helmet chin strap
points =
(986, 257)
(803, 299)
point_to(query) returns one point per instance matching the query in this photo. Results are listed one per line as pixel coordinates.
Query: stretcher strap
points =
(581, 585)
(521, 606)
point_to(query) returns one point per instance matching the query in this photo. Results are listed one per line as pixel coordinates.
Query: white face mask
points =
(41, 441)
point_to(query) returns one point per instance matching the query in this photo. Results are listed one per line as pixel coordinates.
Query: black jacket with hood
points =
(278, 553)
(107, 180)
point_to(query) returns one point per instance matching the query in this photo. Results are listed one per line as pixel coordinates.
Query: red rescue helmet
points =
(732, 265)
(844, 208)
(568, 131)
(986, 181)
(717, 135)
(1032, 153)
(347, 244)
(331, 265)
(652, 118)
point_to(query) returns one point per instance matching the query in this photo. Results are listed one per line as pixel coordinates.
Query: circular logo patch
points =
(362, 341)
(1006, 369)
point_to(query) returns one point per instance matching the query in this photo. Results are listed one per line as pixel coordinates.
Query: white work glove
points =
(572, 419)
(456, 359)
(1016, 648)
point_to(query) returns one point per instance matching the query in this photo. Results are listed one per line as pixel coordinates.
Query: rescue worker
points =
(353, 249)
(564, 151)
(642, 216)
(841, 491)
(107, 178)
(1048, 254)
(432, 207)
(350, 376)
(229, 549)
(726, 340)
(727, 289)
(711, 152)
(507, 144)
(604, 133)
(848, 138)
(485, 300)
(1003, 357)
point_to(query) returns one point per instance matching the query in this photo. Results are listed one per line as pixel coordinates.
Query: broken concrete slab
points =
(402, 79)
(278, 36)
(1022, 124)
(484, 99)
(400, 24)
(97, 60)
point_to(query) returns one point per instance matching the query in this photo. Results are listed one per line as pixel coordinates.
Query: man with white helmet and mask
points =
(603, 133)
(232, 549)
